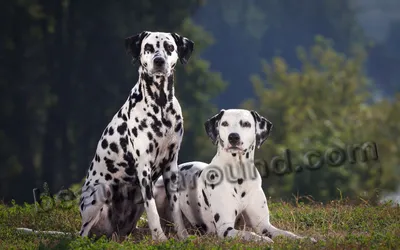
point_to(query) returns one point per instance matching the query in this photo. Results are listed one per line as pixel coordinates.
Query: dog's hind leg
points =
(93, 207)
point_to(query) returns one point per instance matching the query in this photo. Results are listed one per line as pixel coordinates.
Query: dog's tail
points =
(31, 231)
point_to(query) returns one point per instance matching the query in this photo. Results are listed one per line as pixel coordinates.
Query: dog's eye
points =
(225, 124)
(149, 48)
(171, 47)
(245, 124)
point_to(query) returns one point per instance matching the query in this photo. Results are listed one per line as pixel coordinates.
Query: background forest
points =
(325, 73)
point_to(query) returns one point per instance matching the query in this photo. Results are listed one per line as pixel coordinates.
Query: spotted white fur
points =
(214, 208)
(140, 144)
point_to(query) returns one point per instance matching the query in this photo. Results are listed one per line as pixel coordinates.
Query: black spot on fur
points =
(243, 194)
(104, 144)
(135, 132)
(110, 165)
(240, 181)
(108, 177)
(265, 232)
(151, 148)
(173, 177)
(150, 136)
(216, 217)
(205, 198)
(128, 179)
(143, 123)
(178, 127)
(122, 128)
(148, 192)
(114, 147)
(111, 131)
(123, 141)
(155, 109)
(227, 231)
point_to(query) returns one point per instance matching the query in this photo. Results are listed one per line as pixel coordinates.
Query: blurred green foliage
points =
(325, 105)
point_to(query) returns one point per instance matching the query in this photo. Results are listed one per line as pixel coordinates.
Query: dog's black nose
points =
(159, 61)
(233, 138)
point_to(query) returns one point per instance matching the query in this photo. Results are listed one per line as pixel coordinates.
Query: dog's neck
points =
(158, 89)
(240, 159)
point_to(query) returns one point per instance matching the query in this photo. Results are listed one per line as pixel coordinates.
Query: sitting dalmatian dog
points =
(140, 144)
(213, 198)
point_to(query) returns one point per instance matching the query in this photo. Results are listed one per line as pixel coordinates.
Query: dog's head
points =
(236, 130)
(158, 52)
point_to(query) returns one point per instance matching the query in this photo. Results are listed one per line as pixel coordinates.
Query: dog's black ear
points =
(263, 128)
(185, 47)
(133, 45)
(211, 126)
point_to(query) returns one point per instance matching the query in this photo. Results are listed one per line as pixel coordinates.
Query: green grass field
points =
(338, 225)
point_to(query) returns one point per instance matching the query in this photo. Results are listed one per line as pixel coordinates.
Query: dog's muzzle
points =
(159, 65)
(159, 62)
(234, 142)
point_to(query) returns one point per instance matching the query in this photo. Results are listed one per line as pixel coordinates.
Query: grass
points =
(337, 225)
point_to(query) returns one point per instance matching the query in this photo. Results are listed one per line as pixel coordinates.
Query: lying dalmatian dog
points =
(140, 144)
(213, 207)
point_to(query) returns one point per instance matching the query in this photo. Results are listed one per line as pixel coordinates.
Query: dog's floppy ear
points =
(211, 126)
(263, 128)
(185, 47)
(133, 45)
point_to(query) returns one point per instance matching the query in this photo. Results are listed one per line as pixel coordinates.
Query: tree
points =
(248, 31)
(325, 105)
(68, 73)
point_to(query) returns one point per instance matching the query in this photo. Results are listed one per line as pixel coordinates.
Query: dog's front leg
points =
(225, 228)
(172, 180)
(224, 209)
(258, 217)
(150, 204)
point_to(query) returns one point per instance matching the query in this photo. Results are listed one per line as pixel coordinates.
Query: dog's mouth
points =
(159, 71)
(234, 149)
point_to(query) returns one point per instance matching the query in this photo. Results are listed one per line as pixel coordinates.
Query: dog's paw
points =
(312, 239)
(267, 239)
(255, 237)
(159, 237)
(183, 234)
